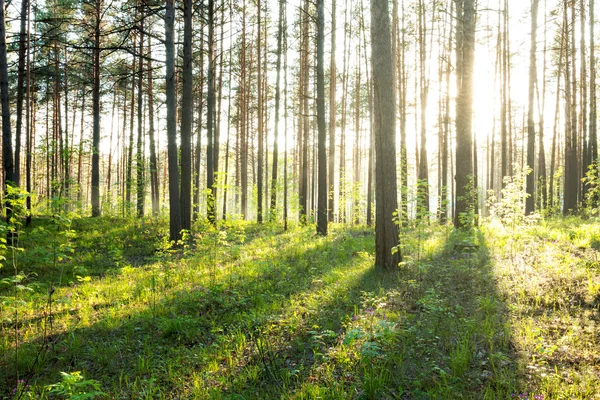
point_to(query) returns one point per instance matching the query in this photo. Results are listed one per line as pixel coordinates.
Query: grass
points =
(252, 312)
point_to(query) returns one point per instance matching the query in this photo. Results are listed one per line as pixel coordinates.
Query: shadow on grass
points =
(301, 320)
(134, 337)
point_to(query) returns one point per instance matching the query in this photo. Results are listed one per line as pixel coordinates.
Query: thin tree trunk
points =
(95, 184)
(154, 185)
(174, 211)
(210, 111)
(139, 162)
(322, 130)
(530, 189)
(187, 111)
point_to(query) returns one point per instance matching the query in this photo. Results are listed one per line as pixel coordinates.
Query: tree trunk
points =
(571, 184)
(7, 154)
(322, 132)
(174, 211)
(187, 111)
(465, 43)
(387, 253)
(332, 117)
(593, 146)
(139, 162)
(154, 185)
(23, 46)
(530, 200)
(273, 207)
(95, 184)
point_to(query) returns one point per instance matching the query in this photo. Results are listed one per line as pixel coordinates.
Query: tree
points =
(571, 183)
(210, 115)
(175, 225)
(273, 205)
(154, 185)
(96, 112)
(139, 163)
(187, 110)
(529, 202)
(332, 117)
(23, 46)
(7, 153)
(387, 253)
(322, 132)
(465, 43)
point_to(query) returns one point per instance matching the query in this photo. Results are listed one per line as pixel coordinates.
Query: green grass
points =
(252, 312)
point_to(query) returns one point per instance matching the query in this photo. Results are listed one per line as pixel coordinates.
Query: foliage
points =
(509, 207)
(242, 310)
(73, 386)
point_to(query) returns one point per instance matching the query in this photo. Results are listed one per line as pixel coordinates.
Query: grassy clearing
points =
(249, 312)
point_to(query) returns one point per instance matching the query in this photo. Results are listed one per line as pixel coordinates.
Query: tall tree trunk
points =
(332, 116)
(198, 152)
(571, 171)
(28, 125)
(154, 185)
(583, 163)
(259, 180)
(322, 132)
(175, 225)
(593, 146)
(7, 154)
(273, 207)
(128, 179)
(387, 253)
(304, 114)
(541, 170)
(210, 118)
(139, 162)
(23, 47)
(530, 200)
(423, 170)
(465, 43)
(403, 84)
(285, 123)
(95, 184)
(187, 111)
(242, 134)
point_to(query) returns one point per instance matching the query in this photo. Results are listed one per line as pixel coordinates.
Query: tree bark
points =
(387, 253)
(465, 42)
(322, 130)
(530, 189)
(187, 111)
(175, 225)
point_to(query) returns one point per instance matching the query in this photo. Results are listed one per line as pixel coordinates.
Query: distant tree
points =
(571, 184)
(187, 110)
(332, 116)
(465, 46)
(529, 202)
(174, 205)
(273, 205)
(7, 153)
(96, 111)
(322, 130)
(387, 253)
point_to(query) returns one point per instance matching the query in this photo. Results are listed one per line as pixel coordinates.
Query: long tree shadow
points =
(299, 320)
(436, 328)
(127, 339)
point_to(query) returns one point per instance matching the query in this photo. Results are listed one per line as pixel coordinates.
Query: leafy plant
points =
(74, 386)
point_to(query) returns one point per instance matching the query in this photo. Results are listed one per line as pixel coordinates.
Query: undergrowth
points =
(243, 311)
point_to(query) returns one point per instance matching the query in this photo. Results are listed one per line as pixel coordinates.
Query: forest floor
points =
(252, 312)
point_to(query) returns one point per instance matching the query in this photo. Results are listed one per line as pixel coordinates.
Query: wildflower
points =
(354, 317)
